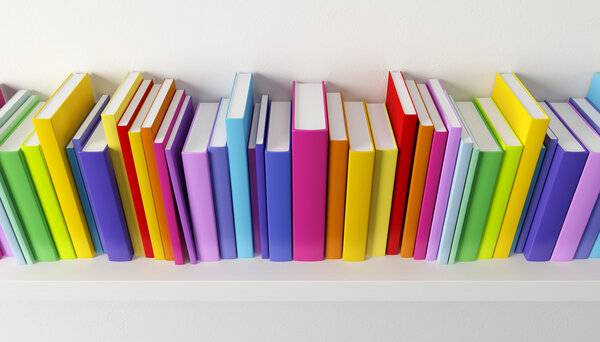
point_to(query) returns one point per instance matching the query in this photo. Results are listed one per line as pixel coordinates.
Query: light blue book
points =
(593, 94)
(463, 159)
(237, 126)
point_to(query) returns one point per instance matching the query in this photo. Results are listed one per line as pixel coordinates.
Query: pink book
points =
(434, 169)
(448, 114)
(4, 248)
(160, 142)
(310, 139)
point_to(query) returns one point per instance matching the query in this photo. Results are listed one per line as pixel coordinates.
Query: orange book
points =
(336, 176)
(148, 132)
(418, 174)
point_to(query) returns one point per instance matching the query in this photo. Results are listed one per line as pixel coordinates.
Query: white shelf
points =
(389, 278)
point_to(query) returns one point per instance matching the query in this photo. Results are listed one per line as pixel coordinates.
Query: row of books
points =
(421, 175)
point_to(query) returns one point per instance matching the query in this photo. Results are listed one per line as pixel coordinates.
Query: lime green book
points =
(513, 148)
(45, 190)
(20, 186)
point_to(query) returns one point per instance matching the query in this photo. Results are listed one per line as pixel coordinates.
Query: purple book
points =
(219, 165)
(196, 168)
(101, 185)
(252, 176)
(560, 185)
(175, 165)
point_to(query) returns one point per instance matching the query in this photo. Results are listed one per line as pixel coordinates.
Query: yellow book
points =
(110, 118)
(361, 160)
(529, 122)
(384, 172)
(55, 124)
(141, 169)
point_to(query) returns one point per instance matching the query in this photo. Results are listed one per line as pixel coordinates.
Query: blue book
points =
(536, 173)
(550, 142)
(237, 125)
(256, 151)
(278, 175)
(593, 94)
(75, 146)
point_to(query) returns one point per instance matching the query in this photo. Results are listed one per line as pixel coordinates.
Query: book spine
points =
(336, 197)
(593, 94)
(590, 235)
(13, 228)
(254, 201)
(279, 203)
(219, 165)
(4, 242)
(262, 199)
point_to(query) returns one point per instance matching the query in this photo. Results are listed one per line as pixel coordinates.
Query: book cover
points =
(278, 176)
(361, 160)
(593, 94)
(529, 123)
(221, 183)
(310, 140)
(403, 116)
(110, 118)
(259, 152)
(337, 172)
(253, 180)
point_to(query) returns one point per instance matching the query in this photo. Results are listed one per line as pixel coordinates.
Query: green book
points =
(22, 191)
(45, 190)
(512, 155)
(481, 179)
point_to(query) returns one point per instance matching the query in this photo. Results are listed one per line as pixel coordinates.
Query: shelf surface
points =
(389, 278)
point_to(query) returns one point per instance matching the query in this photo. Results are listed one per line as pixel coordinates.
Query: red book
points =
(123, 131)
(403, 117)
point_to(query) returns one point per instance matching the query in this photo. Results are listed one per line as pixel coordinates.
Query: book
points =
(141, 170)
(73, 148)
(361, 160)
(403, 116)
(261, 198)
(512, 148)
(384, 171)
(425, 132)
(337, 172)
(111, 116)
(586, 194)
(21, 189)
(148, 132)
(567, 165)
(2, 101)
(432, 180)
(173, 155)
(55, 124)
(101, 185)
(221, 184)
(253, 180)
(593, 94)
(529, 123)
(123, 126)
(459, 179)
(429, 244)
(278, 176)
(309, 170)
(237, 125)
(550, 141)
(476, 200)
(196, 167)
(160, 142)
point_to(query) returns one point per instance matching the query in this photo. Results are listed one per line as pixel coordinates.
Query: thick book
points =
(512, 148)
(221, 184)
(55, 125)
(123, 126)
(567, 165)
(101, 185)
(110, 118)
(173, 150)
(337, 172)
(253, 180)
(586, 194)
(237, 125)
(196, 167)
(141, 171)
(361, 160)
(278, 175)
(403, 116)
(76, 145)
(431, 242)
(459, 179)
(425, 132)
(259, 155)
(160, 142)
(384, 171)
(310, 140)
(477, 198)
(529, 123)
(432, 180)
